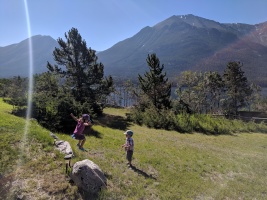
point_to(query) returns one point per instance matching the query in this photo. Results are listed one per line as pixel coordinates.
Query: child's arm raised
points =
(73, 117)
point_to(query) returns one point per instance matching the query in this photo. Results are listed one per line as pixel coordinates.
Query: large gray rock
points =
(88, 176)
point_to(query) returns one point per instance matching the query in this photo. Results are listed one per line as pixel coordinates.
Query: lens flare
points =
(30, 75)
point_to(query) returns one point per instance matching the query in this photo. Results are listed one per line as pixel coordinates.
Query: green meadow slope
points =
(167, 164)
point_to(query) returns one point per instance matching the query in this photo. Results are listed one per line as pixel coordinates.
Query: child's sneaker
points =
(81, 148)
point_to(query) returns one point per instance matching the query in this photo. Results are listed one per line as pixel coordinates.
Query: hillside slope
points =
(167, 165)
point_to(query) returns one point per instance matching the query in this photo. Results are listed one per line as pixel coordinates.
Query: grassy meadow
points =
(167, 164)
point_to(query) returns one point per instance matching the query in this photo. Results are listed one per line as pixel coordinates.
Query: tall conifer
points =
(80, 71)
(154, 83)
(237, 88)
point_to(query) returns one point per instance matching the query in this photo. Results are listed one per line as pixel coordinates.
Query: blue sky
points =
(103, 23)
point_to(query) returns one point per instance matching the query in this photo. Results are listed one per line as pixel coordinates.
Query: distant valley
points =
(181, 43)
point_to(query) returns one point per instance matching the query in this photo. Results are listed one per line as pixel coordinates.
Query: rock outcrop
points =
(88, 176)
(63, 146)
(85, 174)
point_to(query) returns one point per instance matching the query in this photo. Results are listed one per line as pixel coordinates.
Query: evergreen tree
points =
(18, 92)
(4, 87)
(47, 101)
(81, 72)
(214, 90)
(237, 88)
(154, 84)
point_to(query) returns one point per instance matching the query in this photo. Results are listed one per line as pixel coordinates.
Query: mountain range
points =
(14, 59)
(184, 42)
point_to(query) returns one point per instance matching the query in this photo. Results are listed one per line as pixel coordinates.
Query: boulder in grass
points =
(88, 176)
(64, 147)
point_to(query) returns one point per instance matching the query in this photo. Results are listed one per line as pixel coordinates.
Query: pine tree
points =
(237, 88)
(154, 83)
(18, 92)
(81, 72)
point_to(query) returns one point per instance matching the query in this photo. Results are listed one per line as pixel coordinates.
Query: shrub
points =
(185, 122)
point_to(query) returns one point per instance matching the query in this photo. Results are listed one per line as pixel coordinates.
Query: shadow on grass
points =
(142, 173)
(5, 185)
(114, 122)
(89, 131)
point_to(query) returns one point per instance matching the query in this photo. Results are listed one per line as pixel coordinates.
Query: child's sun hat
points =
(128, 132)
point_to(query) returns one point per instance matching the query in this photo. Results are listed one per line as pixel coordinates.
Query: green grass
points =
(168, 165)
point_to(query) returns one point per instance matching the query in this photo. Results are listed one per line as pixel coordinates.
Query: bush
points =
(135, 116)
(188, 123)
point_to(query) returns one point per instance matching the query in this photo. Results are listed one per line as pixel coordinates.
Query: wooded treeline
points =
(77, 84)
(202, 92)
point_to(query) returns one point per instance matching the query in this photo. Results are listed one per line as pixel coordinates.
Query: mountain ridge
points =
(14, 58)
(181, 42)
(185, 43)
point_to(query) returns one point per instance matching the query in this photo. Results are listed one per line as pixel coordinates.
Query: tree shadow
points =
(5, 185)
(142, 173)
(114, 122)
(89, 131)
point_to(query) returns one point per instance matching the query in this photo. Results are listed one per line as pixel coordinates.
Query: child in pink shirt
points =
(78, 132)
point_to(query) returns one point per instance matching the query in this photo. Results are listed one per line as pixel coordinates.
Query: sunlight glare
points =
(30, 84)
